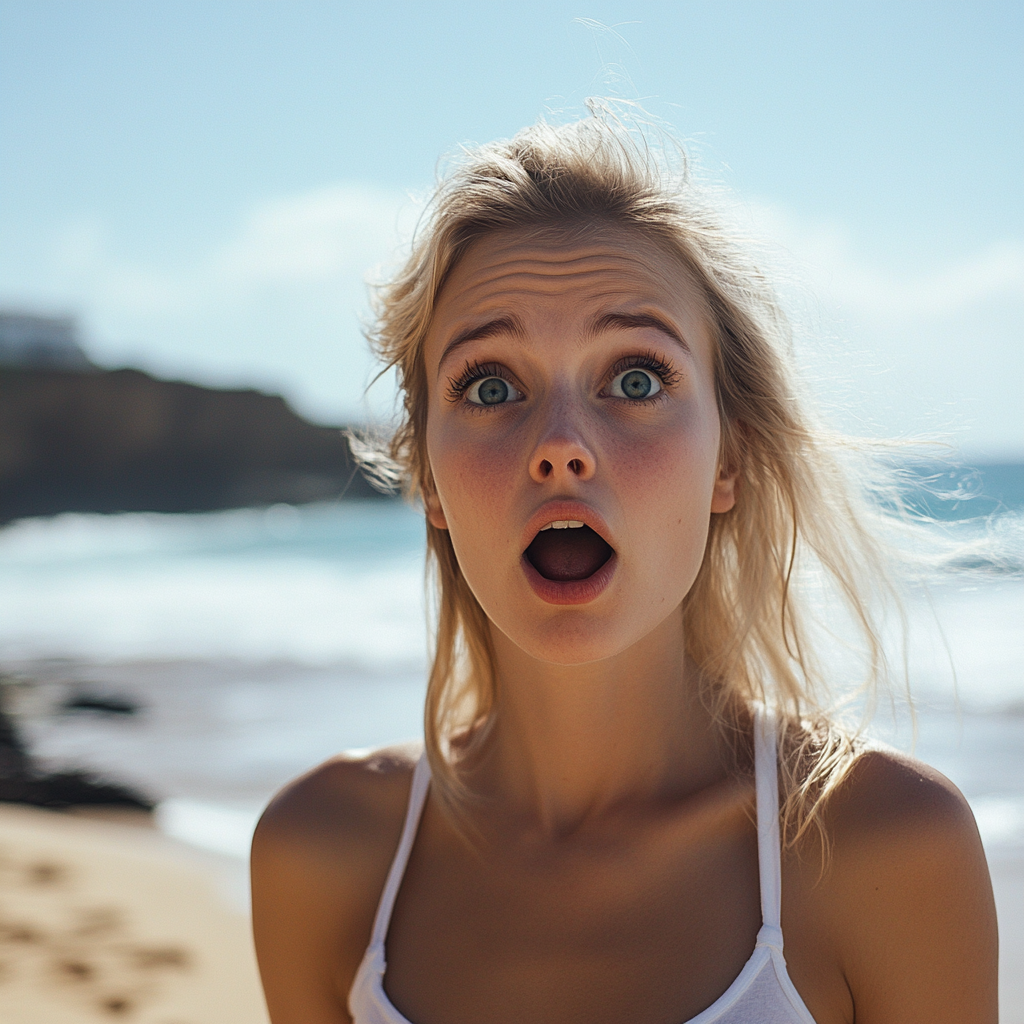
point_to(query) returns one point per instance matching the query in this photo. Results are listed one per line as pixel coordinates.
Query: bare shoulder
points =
(908, 895)
(349, 802)
(320, 857)
(891, 798)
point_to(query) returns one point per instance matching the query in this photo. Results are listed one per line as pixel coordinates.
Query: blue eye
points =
(635, 384)
(491, 391)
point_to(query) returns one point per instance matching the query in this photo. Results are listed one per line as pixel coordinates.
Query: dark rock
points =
(61, 790)
(100, 703)
(22, 781)
(123, 441)
(14, 759)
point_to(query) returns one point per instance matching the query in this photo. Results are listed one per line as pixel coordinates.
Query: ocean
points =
(253, 644)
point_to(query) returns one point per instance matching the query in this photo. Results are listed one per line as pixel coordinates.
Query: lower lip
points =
(572, 591)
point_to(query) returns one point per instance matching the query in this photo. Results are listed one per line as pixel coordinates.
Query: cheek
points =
(475, 480)
(665, 481)
(671, 462)
(470, 470)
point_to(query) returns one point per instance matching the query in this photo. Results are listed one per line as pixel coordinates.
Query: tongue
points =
(566, 555)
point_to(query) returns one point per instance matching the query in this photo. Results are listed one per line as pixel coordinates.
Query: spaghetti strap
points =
(769, 858)
(417, 798)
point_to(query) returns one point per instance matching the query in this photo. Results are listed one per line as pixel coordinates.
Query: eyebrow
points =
(508, 324)
(634, 321)
(511, 324)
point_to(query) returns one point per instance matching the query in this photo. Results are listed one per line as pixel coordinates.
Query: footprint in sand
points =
(107, 923)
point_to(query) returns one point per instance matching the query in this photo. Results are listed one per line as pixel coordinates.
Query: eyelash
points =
(646, 361)
(472, 372)
(458, 386)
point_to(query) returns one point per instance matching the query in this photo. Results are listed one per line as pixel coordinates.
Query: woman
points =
(632, 799)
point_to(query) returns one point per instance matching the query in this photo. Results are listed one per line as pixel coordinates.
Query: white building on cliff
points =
(41, 342)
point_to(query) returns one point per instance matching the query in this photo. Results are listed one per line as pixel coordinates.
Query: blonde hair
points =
(746, 627)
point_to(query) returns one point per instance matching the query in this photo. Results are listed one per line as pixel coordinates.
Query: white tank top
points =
(762, 992)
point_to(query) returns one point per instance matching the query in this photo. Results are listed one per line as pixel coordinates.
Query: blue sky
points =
(207, 183)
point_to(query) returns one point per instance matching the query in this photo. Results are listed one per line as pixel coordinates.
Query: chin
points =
(572, 640)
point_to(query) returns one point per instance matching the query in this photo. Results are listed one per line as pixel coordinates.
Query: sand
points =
(104, 922)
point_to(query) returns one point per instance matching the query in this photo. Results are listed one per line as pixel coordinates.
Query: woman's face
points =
(573, 435)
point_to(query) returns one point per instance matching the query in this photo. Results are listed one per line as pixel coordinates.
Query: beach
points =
(239, 649)
(103, 920)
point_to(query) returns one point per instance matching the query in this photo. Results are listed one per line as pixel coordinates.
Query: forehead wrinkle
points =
(545, 263)
(513, 280)
(602, 263)
(507, 277)
(553, 255)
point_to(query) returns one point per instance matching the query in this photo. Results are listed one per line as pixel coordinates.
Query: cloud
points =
(916, 350)
(84, 260)
(314, 236)
(827, 258)
(278, 302)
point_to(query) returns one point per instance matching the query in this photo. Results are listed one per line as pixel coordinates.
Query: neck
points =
(573, 742)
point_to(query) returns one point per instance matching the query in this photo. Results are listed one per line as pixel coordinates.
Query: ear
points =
(432, 505)
(723, 497)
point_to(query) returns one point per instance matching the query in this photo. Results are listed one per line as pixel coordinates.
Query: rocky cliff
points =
(122, 441)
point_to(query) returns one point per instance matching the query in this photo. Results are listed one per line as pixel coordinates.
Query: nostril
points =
(575, 467)
(545, 468)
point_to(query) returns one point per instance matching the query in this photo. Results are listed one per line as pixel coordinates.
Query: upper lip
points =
(560, 510)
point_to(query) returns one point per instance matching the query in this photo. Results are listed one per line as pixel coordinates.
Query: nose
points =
(561, 451)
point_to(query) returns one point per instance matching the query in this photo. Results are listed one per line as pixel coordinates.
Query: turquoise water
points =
(316, 585)
(962, 493)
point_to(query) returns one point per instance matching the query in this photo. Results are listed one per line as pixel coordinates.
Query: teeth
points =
(562, 524)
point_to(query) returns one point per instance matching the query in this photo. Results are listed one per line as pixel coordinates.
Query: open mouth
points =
(567, 551)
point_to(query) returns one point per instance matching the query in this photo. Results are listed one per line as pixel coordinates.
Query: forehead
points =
(560, 271)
